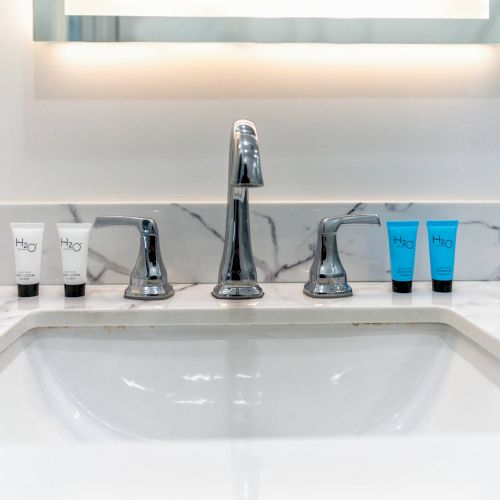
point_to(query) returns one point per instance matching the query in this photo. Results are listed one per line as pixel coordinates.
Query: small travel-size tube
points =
(28, 239)
(74, 242)
(442, 242)
(402, 246)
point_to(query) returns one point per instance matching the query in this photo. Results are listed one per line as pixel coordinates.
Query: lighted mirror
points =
(271, 21)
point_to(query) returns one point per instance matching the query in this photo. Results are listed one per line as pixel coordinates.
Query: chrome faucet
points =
(327, 278)
(148, 279)
(237, 273)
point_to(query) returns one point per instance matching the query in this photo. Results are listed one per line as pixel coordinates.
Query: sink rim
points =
(348, 314)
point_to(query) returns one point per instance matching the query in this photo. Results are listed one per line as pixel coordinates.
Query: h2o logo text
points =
(442, 242)
(399, 241)
(26, 245)
(70, 245)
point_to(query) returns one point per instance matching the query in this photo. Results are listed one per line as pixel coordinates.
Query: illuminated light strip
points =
(335, 9)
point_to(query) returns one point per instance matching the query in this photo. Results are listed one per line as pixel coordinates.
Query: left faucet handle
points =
(148, 279)
(144, 225)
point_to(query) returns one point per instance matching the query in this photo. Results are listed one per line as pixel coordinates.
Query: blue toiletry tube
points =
(402, 246)
(442, 242)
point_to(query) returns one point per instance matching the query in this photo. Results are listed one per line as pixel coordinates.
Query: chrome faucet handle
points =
(148, 279)
(327, 278)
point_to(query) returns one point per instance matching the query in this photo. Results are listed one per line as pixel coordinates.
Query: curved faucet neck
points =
(237, 273)
(244, 156)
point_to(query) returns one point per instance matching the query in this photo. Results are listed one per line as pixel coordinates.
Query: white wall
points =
(87, 123)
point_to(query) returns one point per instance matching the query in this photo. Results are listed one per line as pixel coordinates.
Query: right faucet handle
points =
(327, 278)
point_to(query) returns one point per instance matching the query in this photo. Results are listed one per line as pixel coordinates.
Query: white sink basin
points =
(245, 381)
(292, 398)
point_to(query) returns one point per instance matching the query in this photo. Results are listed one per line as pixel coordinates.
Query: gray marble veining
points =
(283, 237)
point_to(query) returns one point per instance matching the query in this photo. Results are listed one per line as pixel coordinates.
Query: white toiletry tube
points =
(74, 242)
(28, 239)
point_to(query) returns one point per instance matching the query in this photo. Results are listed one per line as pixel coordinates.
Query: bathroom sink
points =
(245, 381)
(282, 398)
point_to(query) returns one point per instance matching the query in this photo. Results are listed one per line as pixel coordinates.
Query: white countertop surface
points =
(473, 307)
(405, 467)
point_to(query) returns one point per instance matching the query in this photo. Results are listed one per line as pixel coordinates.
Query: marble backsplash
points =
(283, 237)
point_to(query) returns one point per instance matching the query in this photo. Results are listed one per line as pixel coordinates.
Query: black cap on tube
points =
(74, 290)
(442, 286)
(27, 290)
(401, 286)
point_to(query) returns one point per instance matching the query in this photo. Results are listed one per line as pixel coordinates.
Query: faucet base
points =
(149, 292)
(237, 292)
(327, 291)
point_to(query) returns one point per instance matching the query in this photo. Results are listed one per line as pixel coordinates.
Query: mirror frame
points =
(52, 25)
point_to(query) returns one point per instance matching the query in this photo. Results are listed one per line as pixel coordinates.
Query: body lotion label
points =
(74, 240)
(27, 251)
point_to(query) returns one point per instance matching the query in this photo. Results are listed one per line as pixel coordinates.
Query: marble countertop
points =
(453, 467)
(473, 308)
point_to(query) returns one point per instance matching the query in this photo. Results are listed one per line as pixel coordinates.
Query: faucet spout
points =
(237, 273)
(244, 156)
